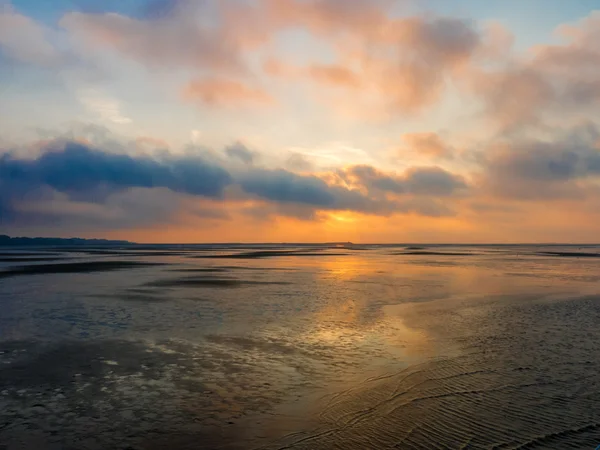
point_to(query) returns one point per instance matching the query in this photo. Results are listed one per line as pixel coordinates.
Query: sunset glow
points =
(300, 120)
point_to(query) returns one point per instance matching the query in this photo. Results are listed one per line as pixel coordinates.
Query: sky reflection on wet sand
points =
(356, 351)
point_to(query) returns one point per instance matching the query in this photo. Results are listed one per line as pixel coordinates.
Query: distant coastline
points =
(7, 241)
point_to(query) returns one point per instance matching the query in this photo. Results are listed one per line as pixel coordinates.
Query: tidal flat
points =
(448, 347)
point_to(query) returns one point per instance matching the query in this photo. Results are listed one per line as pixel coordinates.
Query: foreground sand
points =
(349, 349)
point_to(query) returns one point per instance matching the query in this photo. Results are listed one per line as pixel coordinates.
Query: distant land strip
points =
(8, 241)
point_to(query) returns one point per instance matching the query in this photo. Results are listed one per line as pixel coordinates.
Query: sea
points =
(289, 346)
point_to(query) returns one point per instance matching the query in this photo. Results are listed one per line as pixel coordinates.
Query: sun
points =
(343, 217)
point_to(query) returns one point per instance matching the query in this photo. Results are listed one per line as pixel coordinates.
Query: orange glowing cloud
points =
(225, 93)
(386, 66)
(334, 75)
(429, 145)
(177, 41)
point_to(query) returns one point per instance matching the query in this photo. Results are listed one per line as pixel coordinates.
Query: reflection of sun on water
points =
(414, 342)
(349, 318)
(337, 323)
(342, 268)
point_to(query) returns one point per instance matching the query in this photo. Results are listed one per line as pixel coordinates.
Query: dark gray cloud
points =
(532, 169)
(74, 187)
(373, 179)
(448, 38)
(86, 174)
(241, 152)
(83, 172)
(283, 186)
(6, 212)
(433, 181)
(427, 181)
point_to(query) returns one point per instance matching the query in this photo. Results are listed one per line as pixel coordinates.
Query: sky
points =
(180, 121)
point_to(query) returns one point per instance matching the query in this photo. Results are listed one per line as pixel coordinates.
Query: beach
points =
(300, 346)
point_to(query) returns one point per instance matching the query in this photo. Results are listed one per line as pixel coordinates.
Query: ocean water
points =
(300, 347)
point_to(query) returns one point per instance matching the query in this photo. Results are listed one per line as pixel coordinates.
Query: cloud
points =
(545, 82)
(107, 109)
(241, 152)
(378, 64)
(283, 186)
(225, 93)
(334, 153)
(147, 143)
(6, 208)
(425, 53)
(299, 162)
(371, 178)
(419, 181)
(433, 181)
(429, 145)
(515, 96)
(334, 75)
(25, 40)
(385, 66)
(86, 173)
(533, 169)
(383, 63)
(327, 17)
(179, 39)
(160, 9)
(77, 181)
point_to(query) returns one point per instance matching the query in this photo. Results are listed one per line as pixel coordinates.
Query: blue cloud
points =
(426, 181)
(128, 191)
(539, 169)
(433, 181)
(84, 173)
(241, 152)
(283, 186)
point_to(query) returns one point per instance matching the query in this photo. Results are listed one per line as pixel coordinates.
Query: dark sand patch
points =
(202, 270)
(135, 295)
(121, 394)
(426, 253)
(106, 394)
(35, 365)
(262, 269)
(211, 282)
(128, 252)
(269, 254)
(570, 254)
(34, 259)
(78, 267)
(27, 254)
(225, 269)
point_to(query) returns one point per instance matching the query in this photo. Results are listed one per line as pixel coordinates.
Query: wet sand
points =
(437, 348)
